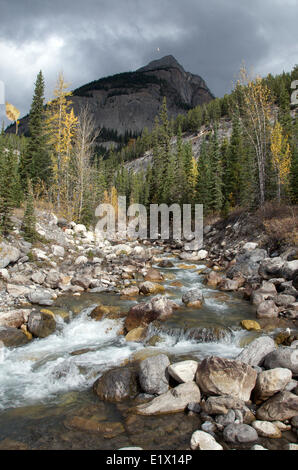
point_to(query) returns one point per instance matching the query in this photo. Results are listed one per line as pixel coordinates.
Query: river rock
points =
(247, 263)
(149, 288)
(280, 407)
(284, 300)
(131, 291)
(270, 382)
(153, 374)
(213, 279)
(14, 318)
(17, 291)
(8, 254)
(82, 281)
(256, 351)
(267, 309)
(117, 384)
(12, 337)
(175, 400)
(158, 308)
(41, 296)
(271, 268)
(226, 419)
(266, 429)
(41, 324)
(285, 357)
(229, 285)
(240, 433)
(166, 263)
(38, 277)
(250, 325)
(53, 279)
(122, 250)
(184, 371)
(289, 270)
(137, 334)
(266, 291)
(154, 275)
(193, 298)
(258, 447)
(201, 440)
(219, 376)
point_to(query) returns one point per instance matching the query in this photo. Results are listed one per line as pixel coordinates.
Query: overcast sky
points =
(90, 39)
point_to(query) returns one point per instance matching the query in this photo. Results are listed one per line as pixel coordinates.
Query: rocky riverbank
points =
(243, 402)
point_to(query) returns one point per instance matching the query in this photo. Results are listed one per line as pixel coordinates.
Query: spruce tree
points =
(7, 188)
(29, 220)
(215, 185)
(36, 163)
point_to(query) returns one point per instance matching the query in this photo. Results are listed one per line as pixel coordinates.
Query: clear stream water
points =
(49, 380)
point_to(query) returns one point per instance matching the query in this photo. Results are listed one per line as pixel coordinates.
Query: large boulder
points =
(14, 318)
(154, 275)
(41, 296)
(271, 268)
(213, 279)
(267, 429)
(289, 270)
(283, 357)
(267, 309)
(158, 308)
(149, 288)
(8, 254)
(41, 324)
(247, 263)
(219, 376)
(12, 337)
(255, 353)
(117, 384)
(153, 374)
(201, 440)
(193, 298)
(240, 433)
(221, 405)
(280, 407)
(270, 382)
(184, 371)
(266, 291)
(175, 400)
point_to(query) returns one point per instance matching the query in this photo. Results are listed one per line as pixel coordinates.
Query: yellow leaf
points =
(12, 113)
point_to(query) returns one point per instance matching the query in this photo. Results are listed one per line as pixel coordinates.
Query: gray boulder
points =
(41, 297)
(255, 353)
(285, 357)
(280, 407)
(240, 433)
(12, 337)
(117, 384)
(8, 254)
(41, 324)
(153, 375)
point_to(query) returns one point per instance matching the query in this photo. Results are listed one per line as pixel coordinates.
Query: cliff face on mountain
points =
(130, 101)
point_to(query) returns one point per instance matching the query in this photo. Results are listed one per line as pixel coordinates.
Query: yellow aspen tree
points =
(255, 111)
(61, 124)
(114, 200)
(281, 156)
(193, 176)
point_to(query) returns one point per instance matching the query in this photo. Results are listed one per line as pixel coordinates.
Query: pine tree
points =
(29, 220)
(7, 188)
(215, 185)
(36, 162)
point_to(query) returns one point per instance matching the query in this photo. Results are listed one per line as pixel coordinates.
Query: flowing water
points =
(50, 380)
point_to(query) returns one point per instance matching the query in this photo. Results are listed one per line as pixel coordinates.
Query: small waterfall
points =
(212, 334)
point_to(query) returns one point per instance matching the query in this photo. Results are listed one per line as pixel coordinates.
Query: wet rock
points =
(255, 353)
(184, 371)
(12, 337)
(285, 357)
(153, 275)
(131, 291)
(229, 285)
(219, 376)
(117, 384)
(137, 334)
(267, 429)
(41, 324)
(240, 433)
(201, 440)
(226, 419)
(193, 298)
(8, 254)
(153, 375)
(174, 400)
(283, 300)
(247, 263)
(250, 325)
(149, 288)
(213, 279)
(165, 263)
(108, 430)
(41, 296)
(158, 308)
(267, 309)
(280, 407)
(270, 382)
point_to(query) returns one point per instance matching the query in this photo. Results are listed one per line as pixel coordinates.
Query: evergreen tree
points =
(215, 185)
(36, 162)
(7, 188)
(29, 220)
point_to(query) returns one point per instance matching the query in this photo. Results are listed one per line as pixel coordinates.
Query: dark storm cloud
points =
(89, 39)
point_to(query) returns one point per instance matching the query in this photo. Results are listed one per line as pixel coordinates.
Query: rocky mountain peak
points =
(165, 62)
